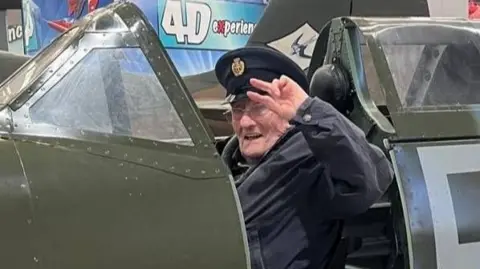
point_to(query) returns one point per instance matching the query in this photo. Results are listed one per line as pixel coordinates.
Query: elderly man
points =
(300, 167)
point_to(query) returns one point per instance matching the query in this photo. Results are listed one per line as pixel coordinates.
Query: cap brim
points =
(233, 98)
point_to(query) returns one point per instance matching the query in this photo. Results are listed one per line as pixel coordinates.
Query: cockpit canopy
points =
(421, 69)
(103, 75)
(433, 65)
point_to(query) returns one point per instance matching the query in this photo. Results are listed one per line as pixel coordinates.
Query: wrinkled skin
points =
(260, 120)
(256, 127)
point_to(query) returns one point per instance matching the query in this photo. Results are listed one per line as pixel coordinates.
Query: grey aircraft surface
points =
(108, 161)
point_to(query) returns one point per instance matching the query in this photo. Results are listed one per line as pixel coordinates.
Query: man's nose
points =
(246, 121)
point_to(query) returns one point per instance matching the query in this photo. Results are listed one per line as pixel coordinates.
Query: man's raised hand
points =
(284, 96)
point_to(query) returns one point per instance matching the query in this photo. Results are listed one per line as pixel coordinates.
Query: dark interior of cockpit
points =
(368, 240)
(373, 239)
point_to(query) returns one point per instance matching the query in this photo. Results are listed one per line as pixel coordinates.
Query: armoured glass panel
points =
(112, 91)
(376, 91)
(13, 87)
(431, 71)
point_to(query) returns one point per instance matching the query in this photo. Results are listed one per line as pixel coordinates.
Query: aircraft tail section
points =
(286, 14)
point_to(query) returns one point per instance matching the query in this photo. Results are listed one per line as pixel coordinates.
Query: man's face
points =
(256, 127)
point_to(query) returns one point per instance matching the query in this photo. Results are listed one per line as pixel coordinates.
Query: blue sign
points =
(195, 32)
(207, 24)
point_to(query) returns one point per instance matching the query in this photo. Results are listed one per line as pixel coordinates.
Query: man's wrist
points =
(303, 115)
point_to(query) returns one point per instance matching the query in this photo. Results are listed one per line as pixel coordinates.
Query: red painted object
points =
(74, 10)
(60, 25)
(72, 7)
(92, 5)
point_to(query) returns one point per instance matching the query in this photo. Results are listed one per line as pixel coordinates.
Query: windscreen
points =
(112, 91)
(433, 65)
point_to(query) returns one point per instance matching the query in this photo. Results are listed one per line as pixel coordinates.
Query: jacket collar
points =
(233, 158)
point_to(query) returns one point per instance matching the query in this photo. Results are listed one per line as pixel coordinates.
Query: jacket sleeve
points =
(352, 173)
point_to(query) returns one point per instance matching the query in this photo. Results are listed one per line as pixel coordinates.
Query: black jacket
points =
(321, 171)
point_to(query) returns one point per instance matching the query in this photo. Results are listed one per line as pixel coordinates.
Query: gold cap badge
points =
(238, 67)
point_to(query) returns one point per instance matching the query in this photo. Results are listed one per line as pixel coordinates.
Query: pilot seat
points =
(370, 239)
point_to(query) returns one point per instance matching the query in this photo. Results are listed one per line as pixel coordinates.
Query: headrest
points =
(331, 83)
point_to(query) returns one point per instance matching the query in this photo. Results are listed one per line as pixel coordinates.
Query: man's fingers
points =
(263, 99)
(262, 85)
(275, 87)
(283, 81)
